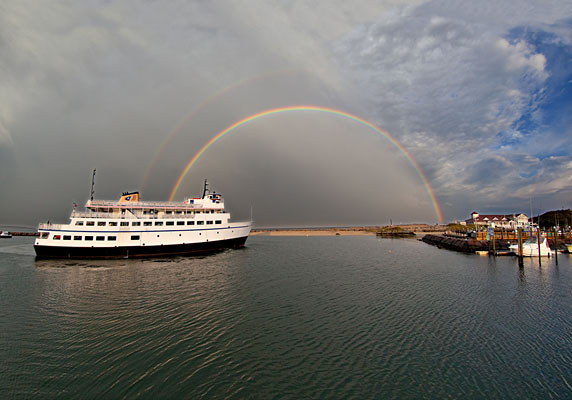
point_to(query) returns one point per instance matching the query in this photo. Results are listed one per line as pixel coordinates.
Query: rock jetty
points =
(463, 245)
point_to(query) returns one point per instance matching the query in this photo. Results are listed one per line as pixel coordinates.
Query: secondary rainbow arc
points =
(327, 110)
(199, 108)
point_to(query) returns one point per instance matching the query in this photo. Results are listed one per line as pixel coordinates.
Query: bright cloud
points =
(454, 88)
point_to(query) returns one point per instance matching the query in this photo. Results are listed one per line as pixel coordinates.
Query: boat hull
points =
(138, 251)
(528, 251)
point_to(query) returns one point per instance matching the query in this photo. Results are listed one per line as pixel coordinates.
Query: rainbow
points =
(340, 113)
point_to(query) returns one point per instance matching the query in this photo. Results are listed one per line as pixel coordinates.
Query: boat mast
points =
(531, 217)
(92, 185)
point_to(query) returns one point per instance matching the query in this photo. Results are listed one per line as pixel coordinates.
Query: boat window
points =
(170, 223)
(89, 238)
(45, 235)
(180, 222)
(67, 237)
(77, 238)
(209, 222)
(112, 238)
(147, 223)
(101, 223)
(177, 212)
(57, 237)
(137, 223)
(79, 223)
(158, 223)
(100, 238)
(124, 223)
(190, 222)
(168, 212)
(218, 222)
(111, 223)
(134, 237)
(200, 222)
(90, 223)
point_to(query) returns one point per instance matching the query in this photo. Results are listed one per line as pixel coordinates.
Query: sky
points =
(472, 101)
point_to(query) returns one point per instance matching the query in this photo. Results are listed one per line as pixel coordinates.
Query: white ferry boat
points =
(131, 228)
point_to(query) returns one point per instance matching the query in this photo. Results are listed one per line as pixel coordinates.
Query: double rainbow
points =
(314, 109)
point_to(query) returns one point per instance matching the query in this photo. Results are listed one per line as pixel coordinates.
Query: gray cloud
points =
(100, 84)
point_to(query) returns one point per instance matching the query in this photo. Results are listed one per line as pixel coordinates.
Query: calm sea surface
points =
(286, 317)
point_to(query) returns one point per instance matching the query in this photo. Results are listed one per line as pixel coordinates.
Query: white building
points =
(506, 221)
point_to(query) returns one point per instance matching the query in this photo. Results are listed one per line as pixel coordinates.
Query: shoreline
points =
(310, 232)
(354, 231)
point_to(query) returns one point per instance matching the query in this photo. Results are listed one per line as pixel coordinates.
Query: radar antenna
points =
(206, 188)
(92, 185)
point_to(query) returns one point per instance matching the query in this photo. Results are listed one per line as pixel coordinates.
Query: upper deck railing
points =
(139, 204)
(137, 215)
(190, 213)
(50, 226)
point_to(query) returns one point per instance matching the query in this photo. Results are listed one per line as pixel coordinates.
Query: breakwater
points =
(463, 245)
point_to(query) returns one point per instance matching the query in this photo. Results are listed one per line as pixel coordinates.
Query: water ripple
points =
(287, 318)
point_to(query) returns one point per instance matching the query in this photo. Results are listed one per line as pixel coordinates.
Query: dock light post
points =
(556, 245)
(494, 239)
(538, 237)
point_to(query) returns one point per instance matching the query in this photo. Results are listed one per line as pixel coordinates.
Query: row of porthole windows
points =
(45, 235)
(147, 223)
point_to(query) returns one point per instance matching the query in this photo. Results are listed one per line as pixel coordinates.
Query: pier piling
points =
(520, 260)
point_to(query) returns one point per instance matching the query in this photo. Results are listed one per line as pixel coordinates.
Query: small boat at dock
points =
(5, 235)
(530, 248)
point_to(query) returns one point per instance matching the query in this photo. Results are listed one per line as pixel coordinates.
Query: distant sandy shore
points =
(420, 230)
(311, 232)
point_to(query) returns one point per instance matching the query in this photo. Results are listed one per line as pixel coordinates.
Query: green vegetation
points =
(390, 229)
(460, 228)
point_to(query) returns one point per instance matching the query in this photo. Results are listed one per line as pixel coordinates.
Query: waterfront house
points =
(503, 221)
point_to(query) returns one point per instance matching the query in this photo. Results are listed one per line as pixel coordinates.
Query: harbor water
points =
(286, 317)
